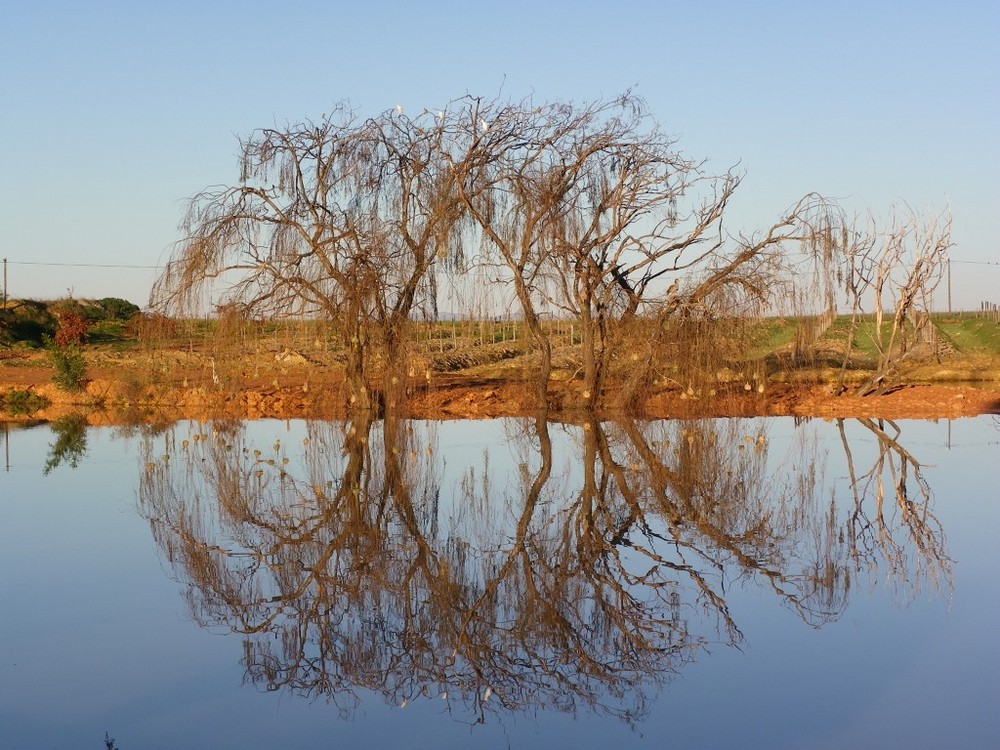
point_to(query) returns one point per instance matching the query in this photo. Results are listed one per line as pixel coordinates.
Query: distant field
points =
(966, 344)
(971, 333)
(968, 333)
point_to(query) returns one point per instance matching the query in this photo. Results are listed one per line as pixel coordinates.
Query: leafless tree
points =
(888, 274)
(338, 219)
(580, 207)
(854, 271)
(511, 193)
(908, 263)
(737, 280)
(589, 212)
(592, 211)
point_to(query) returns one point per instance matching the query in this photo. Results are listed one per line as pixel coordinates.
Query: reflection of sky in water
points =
(94, 635)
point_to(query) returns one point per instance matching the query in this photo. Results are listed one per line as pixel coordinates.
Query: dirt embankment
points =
(111, 397)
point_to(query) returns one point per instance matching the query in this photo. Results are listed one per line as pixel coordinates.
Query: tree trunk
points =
(539, 339)
(591, 366)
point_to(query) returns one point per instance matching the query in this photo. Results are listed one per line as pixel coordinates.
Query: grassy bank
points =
(137, 359)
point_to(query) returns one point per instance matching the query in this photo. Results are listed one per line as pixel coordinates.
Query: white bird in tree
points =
(672, 289)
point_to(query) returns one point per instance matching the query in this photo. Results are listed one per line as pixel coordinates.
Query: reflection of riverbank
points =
(455, 397)
(566, 566)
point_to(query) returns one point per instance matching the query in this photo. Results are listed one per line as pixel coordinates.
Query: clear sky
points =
(113, 113)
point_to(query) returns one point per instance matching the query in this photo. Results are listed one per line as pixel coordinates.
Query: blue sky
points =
(113, 114)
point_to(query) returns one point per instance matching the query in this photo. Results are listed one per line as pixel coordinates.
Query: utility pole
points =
(949, 284)
(4, 283)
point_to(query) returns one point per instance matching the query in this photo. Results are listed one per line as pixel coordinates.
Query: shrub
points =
(26, 321)
(115, 308)
(22, 402)
(71, 367)
(71, 326)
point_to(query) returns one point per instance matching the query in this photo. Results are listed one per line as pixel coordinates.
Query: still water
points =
(513, 583)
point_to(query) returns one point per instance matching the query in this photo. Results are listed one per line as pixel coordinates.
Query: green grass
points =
(863, 344)
(970, 333)
(771, 334)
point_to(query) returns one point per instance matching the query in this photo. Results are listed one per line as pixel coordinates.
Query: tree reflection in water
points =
(891, 523)
(585, 580)
(70, 446)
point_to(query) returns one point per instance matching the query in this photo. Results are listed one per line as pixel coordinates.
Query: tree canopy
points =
(587, 212)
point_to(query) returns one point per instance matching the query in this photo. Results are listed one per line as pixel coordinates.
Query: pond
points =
(716, 583)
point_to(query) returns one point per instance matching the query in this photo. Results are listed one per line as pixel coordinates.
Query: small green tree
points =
(70, 366)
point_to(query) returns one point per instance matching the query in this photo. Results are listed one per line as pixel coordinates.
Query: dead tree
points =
(591, 211)
(511, 184)
(907, 265)
(579, 207)
(339, 220)
(586, 212)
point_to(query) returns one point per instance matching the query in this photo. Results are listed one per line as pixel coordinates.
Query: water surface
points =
(712, 583)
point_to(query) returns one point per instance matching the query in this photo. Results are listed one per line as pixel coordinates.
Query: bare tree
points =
(908, 264)
(854, 271)
(592, 212)
(737, 280)
(588, 212)
(580, 206)
(511, 193)
(340, 220)
(622, 229)
(420, 212)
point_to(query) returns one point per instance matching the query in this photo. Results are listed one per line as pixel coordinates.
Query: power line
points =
(133, 265)
(78, 265)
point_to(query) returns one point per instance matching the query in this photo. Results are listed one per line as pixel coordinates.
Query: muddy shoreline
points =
(112, 401)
